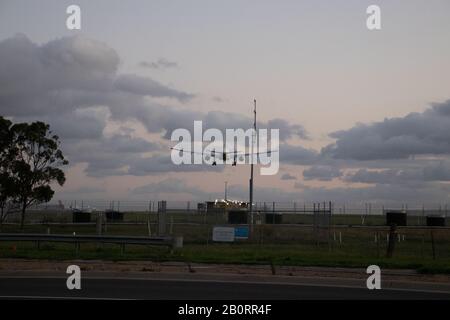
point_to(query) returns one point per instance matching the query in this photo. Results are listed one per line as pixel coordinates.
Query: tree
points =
(36, 159)
(7, 187)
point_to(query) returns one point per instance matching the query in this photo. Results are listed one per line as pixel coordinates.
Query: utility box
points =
(237, 217)
(81, 217)
(435, 221)
(274, 218)
(396, 217)
(114, 216)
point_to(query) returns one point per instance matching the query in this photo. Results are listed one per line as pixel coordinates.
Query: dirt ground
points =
(12, 265)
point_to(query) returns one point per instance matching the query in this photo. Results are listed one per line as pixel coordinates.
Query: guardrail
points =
(78, 239)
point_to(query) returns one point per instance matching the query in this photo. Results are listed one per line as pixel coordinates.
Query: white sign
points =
(223, 234)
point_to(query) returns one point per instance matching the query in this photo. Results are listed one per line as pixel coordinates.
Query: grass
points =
(287, 245)
(279, 255)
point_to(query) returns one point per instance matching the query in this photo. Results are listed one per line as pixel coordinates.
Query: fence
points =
(288, 207)
(356, 230)
(78, 239)
(193, 212)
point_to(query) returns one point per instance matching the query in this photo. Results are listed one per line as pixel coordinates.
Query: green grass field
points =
(286, 245)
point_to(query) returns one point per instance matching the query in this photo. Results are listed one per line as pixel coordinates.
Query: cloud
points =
(396, 138)
(287, 130)
(381, 193)
(384, 194)
(147, 87)
(66, 74)
(73, 73)
(85, 190)
(322, 173)
(73, 84)
(288, 176)
(108, 155)
(439, 172)
(163, 164)
(161, 63)
(297, 155)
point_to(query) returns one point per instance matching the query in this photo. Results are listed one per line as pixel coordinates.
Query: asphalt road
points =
(171, 289)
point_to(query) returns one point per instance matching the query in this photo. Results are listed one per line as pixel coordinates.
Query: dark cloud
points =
(74, 73)
(287, 130)
(73, 84)
(396, 138)
(322, 173)
(66, 74)
(381, 177)
(108, 155)
(297, 155)
(147, 87)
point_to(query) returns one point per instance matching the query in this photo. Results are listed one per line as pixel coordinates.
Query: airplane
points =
(225, 154)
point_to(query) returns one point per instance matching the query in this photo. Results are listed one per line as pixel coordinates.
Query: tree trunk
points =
(22, 217)
(1, 218)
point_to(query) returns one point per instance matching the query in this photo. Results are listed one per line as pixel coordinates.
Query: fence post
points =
(433, 247)
(391, 241)
(377, 237)
(77, 248)
(423, 213)
(273, 212)
(148, 227)
(171, 225)
(162, 205)
(98, 224)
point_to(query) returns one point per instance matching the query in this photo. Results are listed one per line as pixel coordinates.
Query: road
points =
(36, 287)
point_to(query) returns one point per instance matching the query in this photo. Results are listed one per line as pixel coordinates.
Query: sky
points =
(363, 115)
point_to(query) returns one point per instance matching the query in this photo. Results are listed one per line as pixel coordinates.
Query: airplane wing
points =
(231, 153)
(250, 154)
(212, 153)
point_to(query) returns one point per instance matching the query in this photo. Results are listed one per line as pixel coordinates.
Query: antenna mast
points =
(251, 164)
(226, 187)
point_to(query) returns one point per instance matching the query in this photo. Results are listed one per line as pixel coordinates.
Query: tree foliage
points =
(30, 162)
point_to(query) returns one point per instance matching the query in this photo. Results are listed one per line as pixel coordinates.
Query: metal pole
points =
(226, 185)
(251, 164)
